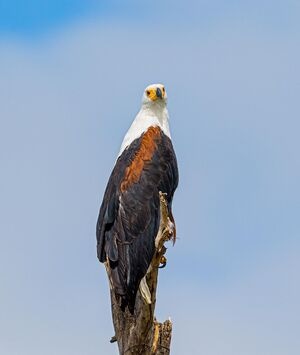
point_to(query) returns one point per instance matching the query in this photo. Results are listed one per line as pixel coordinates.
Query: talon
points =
(163, 262)
(113, 339)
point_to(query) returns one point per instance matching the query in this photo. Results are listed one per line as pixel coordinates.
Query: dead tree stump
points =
(140, 333)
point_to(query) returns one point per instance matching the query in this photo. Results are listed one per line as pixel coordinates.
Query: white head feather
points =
(152, 113)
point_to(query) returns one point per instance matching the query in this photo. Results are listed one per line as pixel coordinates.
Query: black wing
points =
(128, 221)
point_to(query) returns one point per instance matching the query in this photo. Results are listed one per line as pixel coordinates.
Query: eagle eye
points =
(147, 92)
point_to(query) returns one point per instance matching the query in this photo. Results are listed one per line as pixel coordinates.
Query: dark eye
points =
(163, 89)
(148, 92)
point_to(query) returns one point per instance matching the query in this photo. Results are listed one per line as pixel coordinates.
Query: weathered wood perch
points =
(140, 333)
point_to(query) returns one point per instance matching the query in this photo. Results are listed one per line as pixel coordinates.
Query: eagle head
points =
(155, 94)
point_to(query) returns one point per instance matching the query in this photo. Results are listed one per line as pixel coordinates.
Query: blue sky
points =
(34, 17)
(72, 77)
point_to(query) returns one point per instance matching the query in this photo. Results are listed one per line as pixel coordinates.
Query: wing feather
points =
(128, 220)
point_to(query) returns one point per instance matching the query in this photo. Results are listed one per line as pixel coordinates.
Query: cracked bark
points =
(141, 333)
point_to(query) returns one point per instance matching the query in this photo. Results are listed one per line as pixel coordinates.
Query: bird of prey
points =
(129, 216)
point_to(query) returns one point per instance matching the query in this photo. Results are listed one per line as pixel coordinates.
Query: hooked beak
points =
(159, 93)
(155, 93)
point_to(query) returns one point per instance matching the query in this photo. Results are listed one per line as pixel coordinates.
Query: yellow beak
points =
(155, 93)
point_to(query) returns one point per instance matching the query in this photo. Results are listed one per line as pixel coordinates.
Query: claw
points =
(163, 262)
(113, 339)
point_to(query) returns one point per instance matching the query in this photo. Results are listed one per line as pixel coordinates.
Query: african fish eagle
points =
(129, 215)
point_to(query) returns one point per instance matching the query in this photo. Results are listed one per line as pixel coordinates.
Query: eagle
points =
(129, 215)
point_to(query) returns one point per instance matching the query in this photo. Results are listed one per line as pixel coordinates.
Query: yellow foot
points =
(163, 262)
